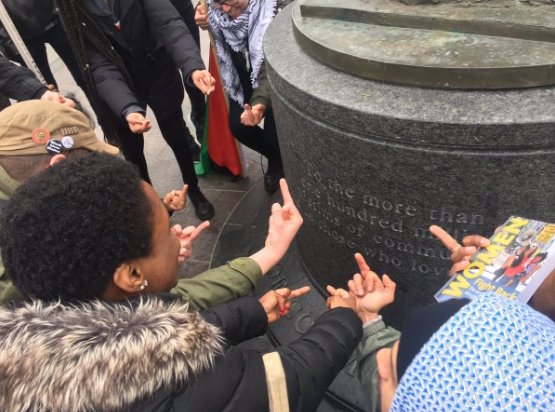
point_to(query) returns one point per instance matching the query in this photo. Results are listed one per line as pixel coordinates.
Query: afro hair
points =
(66, 230)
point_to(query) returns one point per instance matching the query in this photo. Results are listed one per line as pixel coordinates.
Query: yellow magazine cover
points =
(519, 258)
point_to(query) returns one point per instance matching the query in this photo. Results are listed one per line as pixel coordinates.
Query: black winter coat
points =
(238, 382)
(157, 356)
(153, 40)
(18, 82)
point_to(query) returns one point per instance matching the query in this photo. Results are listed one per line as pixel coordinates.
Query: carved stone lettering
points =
(365, 222)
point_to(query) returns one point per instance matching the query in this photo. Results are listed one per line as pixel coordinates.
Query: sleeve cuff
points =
(247, 267)
(39, 92)
(132, 108)
(189, 77)
(261, 100)
(374, 326)
(371, 322)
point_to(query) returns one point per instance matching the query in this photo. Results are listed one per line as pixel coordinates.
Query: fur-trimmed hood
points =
(98, 357)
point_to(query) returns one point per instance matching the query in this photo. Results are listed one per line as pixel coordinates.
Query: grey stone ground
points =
(219, 189)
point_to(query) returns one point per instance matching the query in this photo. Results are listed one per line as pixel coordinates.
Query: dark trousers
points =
(198, 101)
(158, 85)
(264, 141)
(173, 130)
(57, 38)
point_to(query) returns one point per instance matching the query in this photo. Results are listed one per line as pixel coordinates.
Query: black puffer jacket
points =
(18, 82)
(152, 39)
(157, 356)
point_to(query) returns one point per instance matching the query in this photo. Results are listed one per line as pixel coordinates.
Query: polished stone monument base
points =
(372, 165)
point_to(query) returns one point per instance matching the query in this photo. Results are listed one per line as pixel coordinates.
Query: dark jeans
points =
(264, 141)
(57, 38)
(173, 130)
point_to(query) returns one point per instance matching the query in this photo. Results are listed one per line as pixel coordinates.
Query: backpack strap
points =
(277, 384)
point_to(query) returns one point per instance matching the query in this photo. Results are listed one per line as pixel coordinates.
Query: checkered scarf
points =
(244, 35)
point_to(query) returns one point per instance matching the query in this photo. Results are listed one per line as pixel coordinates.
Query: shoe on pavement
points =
(203, 208)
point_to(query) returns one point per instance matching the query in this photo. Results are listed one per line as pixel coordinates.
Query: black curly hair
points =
(66, 230)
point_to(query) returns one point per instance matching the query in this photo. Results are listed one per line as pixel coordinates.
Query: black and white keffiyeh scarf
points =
(243, 35)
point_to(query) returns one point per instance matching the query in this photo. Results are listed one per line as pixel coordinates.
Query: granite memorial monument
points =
(393, 117)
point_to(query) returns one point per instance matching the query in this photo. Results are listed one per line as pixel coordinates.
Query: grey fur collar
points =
(95, 357)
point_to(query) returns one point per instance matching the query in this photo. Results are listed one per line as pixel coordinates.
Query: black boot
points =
(203, 208)
(273, 174)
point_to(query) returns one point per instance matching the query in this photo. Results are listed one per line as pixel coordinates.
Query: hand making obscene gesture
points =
(367, 292)
(176, 199)
(186, 237)
(285, 222)
(460, 254)
(277, 303)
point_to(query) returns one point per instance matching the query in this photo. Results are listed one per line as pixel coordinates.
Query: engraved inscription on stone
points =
(382, 229)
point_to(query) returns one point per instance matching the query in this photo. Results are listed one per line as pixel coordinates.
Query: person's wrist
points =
(277, 251)
(368, 317)
(266, 258)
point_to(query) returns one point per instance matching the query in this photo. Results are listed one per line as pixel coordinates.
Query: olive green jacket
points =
(230, 281)
(375, 337)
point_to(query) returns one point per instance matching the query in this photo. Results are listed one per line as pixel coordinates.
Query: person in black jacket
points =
(19, 83)
(119, 347)
(132, 48)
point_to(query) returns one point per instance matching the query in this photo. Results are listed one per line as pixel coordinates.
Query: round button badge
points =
(40, 136)
(68, 142)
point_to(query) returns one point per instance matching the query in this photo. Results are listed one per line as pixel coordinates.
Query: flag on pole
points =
(218, 143)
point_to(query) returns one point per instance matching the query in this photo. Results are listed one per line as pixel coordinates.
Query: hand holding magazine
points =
(519, 257)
